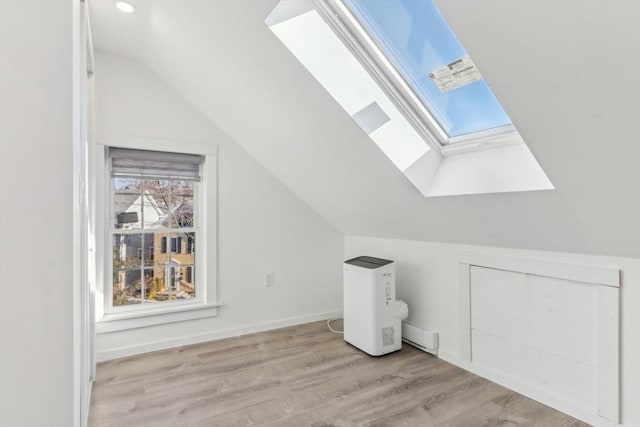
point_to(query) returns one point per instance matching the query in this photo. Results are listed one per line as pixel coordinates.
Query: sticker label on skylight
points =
(457, 74)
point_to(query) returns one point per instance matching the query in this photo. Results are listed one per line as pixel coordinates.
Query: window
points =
(398, 70)
(154, 209)
(431, 60)
(191, 243)
(176, 245)
(411, 55)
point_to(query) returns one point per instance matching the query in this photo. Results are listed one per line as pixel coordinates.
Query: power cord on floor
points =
(331, 329)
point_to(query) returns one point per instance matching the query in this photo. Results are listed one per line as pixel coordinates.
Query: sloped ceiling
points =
(565, 71)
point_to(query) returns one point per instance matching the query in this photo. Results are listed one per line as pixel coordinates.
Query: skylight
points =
(398, 70)
(424, 50)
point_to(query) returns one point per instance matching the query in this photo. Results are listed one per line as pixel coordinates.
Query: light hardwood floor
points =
(302, 376)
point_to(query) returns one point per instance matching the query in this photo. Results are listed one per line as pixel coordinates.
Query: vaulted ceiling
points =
(565, 71)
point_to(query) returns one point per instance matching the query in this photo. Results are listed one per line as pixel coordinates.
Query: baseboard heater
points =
(420, 338)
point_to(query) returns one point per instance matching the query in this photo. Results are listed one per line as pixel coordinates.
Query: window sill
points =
(501, 169)
(113, 322)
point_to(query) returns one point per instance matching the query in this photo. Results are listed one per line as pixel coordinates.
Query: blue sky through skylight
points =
(417, 39)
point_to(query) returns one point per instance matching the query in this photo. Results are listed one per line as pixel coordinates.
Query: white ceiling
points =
(565, 71)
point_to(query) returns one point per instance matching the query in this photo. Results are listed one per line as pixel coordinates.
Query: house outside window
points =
(154, 203)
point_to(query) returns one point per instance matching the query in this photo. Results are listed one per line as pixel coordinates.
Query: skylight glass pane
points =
(418, 41)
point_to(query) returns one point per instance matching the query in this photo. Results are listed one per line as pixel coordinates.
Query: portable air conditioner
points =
(372, 315)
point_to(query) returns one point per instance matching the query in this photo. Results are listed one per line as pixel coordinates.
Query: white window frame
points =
(205, 303)
(364, 48)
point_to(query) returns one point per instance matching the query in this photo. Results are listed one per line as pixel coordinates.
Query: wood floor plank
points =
(302, 376)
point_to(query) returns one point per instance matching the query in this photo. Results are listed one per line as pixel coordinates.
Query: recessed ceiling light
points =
(125, 6)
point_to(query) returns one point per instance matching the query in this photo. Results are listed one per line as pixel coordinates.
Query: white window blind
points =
(127, 163)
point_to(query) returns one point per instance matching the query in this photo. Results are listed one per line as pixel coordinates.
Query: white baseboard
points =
(527, 390)
(211, 336)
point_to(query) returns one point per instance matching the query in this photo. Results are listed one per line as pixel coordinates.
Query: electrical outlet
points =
(269, 280)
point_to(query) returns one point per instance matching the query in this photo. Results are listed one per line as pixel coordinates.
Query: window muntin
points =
(154, 201)
(415, 37)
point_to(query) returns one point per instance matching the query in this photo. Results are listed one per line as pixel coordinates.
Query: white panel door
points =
(541, 331)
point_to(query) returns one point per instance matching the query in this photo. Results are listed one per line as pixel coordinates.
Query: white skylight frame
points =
(366, 50)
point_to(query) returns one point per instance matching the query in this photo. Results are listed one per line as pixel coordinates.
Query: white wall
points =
(427, 279)
(262, 226)
(511, 168)
(554, 81)
(36, 208)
